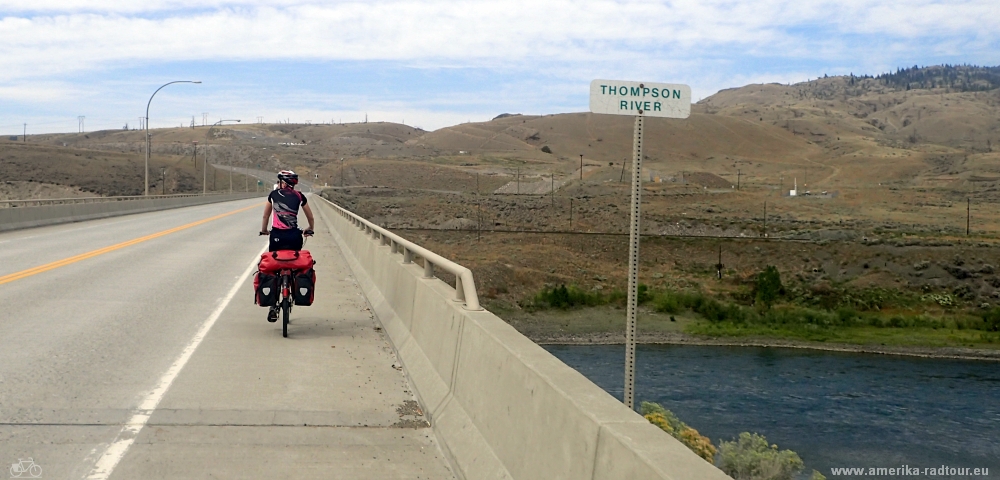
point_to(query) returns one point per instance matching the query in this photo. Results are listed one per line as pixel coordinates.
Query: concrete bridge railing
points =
(502, 407)
(19, 214)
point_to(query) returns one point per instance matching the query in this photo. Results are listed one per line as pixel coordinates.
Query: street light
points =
(146, 172)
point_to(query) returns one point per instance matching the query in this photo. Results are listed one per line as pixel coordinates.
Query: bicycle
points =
(29, 467)
(286, 283)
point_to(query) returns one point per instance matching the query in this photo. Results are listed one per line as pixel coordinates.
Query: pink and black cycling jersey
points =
(285, 203)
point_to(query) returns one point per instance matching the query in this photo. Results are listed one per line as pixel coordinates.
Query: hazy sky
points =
(432, 63)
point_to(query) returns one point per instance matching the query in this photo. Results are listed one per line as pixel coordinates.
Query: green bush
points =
(991, 320)
(642, 294)
(767, 286)
(546, 149)
(751, 458)
(563, 298)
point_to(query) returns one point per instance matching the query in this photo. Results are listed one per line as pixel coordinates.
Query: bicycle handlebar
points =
(305, 233)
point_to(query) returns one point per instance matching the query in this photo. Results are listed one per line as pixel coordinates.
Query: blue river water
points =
(833, 409)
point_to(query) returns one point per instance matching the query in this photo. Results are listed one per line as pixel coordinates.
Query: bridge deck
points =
(79, 361)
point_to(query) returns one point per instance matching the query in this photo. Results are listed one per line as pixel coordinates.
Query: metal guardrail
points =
(69, 201)
(465, 285)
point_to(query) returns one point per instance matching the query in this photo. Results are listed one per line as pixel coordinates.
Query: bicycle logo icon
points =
(25, 469)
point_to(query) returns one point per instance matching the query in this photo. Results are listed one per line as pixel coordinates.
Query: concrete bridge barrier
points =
(37, 213)
(501, 406)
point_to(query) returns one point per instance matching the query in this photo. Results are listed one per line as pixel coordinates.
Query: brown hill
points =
(39, 168)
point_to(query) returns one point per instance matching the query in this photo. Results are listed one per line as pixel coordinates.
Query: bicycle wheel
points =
(285, 308)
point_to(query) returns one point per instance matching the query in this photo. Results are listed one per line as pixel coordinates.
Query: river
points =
(833, 409)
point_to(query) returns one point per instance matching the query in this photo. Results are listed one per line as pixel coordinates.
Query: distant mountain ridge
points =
(962, 78)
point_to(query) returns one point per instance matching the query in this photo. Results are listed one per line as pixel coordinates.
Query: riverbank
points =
(605, 325)
(664, 338)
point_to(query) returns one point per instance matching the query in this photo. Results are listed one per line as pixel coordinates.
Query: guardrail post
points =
(407, 255)
(428, 269)
(459, 291)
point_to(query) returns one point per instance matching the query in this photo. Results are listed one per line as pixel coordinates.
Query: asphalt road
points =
(131, 348)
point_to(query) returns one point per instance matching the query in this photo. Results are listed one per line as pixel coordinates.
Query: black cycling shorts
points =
(290, 239)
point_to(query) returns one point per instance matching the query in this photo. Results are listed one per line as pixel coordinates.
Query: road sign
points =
(618, 97)
(640, 100)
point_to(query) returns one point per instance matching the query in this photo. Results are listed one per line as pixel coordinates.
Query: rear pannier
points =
(266, 291)
(305, 287)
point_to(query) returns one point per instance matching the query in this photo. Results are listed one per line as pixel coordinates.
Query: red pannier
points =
(265, 281)
(295, 260)
(265, 288)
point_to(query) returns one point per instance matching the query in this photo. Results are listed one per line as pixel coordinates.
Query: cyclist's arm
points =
(267, 217)
(309, 215)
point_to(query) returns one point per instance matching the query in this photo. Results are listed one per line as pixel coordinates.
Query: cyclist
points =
(282, 210)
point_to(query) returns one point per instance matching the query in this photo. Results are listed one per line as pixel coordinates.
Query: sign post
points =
(615, 97)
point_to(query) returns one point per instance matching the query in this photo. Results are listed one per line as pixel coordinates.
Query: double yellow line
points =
(83, 256)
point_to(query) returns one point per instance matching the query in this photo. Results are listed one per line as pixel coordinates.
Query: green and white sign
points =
(618, 97)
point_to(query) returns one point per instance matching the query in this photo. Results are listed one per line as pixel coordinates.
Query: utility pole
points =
(581, 168)
(552, 193)
(230, 175)
(204, 118)
(719, 266)
(518, 191)
(479, 211)
(24, 137)
(80, 121)
(622, 178)
(571, 213)
(765, 218)
(342, 172)
(163, 180)
(968, 214)
(738, 173)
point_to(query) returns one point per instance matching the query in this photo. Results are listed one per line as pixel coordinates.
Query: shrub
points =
(563, 298)
(642, 294)
(668, 422)
(546, 149)
(991, 319)
(751, 458)
(768, 286)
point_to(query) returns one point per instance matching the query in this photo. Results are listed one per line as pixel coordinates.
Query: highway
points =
(132, 349)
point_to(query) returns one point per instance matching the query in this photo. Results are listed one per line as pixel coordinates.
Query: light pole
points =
(146, 169)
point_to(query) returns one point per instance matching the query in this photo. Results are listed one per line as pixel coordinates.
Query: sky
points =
(435, 63)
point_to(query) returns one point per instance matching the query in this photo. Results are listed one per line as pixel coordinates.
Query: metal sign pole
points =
(637, 99)
(633, 266)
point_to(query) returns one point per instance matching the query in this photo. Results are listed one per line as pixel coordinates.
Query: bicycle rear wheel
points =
(285, 309)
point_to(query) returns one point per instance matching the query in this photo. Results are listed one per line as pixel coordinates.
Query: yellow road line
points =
(83, 256)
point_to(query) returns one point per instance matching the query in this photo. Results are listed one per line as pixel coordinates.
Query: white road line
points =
(116, 450)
